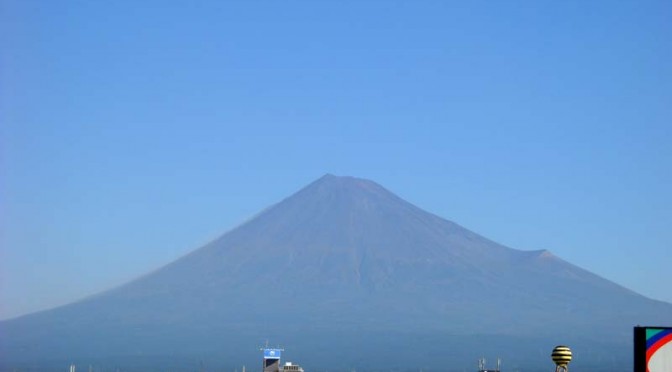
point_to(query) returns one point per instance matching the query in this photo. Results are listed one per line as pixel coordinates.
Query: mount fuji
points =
(344, 274)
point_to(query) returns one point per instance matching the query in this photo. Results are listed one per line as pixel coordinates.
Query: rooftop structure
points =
(272, 360)
(289, 367)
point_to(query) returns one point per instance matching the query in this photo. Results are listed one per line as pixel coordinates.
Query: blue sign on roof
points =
(272, 353)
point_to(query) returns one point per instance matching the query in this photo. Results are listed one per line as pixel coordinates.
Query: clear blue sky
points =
(132, 132)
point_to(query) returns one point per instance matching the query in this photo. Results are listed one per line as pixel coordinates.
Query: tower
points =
(561, 356)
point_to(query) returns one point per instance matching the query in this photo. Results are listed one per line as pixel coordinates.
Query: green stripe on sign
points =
(650, 332)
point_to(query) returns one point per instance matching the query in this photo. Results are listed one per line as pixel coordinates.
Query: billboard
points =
(272, 353)
(653, 349)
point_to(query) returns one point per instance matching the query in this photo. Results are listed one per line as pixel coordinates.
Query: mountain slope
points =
(341, 256)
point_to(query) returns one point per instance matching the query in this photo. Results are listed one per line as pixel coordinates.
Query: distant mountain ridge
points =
(347, 258)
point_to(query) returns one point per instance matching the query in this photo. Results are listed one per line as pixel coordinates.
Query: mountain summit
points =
(344, 264)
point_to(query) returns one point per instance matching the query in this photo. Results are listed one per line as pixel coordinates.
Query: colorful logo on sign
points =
(658, 349)
(272, 353)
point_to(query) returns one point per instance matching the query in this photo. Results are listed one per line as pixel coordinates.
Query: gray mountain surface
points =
(346, 271)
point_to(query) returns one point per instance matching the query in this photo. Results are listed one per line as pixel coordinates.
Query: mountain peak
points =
(331, 179)
(330, 184)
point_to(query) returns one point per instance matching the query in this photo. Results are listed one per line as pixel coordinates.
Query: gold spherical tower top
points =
(561, 355)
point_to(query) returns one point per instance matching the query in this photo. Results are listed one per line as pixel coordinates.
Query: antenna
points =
(275, 348)
(483, 368)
